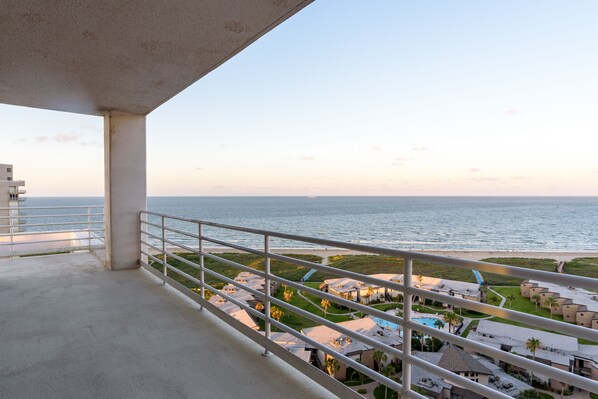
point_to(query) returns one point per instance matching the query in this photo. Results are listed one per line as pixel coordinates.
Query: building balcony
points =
(72, 329)
(70, 323)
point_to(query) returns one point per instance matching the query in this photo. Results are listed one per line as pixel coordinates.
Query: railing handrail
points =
(583, 282)
(407, 288)
(3, 208)
(24, 238)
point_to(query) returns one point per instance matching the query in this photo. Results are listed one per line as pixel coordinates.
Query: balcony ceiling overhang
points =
(92, 56)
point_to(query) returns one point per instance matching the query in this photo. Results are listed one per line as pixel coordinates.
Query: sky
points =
(362, 98)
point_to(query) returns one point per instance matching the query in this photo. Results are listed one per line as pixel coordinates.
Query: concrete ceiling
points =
(93, 56)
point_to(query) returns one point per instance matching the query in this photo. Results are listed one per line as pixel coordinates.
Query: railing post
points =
(267, 291)
(143, 238)
(407, 303)
(202, 289)
(89, 228)
(164, 247)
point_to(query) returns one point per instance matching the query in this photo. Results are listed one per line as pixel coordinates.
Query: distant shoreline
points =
(460, 254)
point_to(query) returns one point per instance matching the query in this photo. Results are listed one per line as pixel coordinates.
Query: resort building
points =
(250, 280)
(12, 193)
(576, 305)
(360, 291)
(470, 366)
(351, 348)
(559, 351)
(293, 345)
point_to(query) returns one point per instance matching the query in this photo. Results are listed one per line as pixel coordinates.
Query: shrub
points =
(362, 391)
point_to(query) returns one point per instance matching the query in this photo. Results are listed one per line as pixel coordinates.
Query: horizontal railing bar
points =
(457, 379)
(232, 299)
(55, 215)
(357, 336)
(43, 251)
(2, 244)
(558, 278)
(27, 233)
(529, 319)
(340, 357)
(183, 260)
(334, 326)
(304, 367)
(27, 225)
(151, 246)
(341, 301)
(242, 286)
(234, 246)
(538, 367)
(235, 264)
(171, 229)
(509, 357)
(340, 272)
(182, 246)
(52, 207)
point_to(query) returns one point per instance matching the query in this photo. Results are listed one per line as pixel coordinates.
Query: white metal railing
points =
(153, 229)
(50, 229)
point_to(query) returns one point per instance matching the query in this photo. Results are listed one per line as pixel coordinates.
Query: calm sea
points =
(458, 223)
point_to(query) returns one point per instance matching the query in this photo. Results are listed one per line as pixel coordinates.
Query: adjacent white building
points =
(366, 292)
(12, 193)
(559, 351)
(352, 348)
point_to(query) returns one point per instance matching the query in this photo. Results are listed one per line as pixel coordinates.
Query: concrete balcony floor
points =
(71, 329)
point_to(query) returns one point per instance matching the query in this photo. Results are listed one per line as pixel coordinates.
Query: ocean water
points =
(454, 223)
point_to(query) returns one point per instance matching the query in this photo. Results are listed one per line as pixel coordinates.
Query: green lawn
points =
(523, 304)
(297, 322)
(587, 267)
(373, 264)
(471, 326)
(285, 270)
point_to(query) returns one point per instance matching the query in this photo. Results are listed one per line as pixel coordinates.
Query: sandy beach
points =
(471, 255)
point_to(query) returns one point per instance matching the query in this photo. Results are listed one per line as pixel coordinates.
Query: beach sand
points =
(470, 255)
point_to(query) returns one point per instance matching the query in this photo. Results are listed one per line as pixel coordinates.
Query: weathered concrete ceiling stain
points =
(93, 56)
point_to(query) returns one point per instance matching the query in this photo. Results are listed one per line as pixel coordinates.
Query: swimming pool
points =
(427, 321)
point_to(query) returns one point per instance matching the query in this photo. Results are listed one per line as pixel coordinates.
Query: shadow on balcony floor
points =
(71, 329)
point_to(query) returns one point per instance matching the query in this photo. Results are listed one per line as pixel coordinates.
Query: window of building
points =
(9, 178)
(8, 170)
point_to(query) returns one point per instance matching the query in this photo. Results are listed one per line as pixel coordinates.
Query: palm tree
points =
(387, 371)
(536, 299)
(288, 295)
(420, 279)
(511, 298)
(277, 313)
(331, 366)
(379, 357)
(325, 304)
(439, 324)
(452, 319)
(532, 345)
(494, 299)
(370, 293)
(552, 304)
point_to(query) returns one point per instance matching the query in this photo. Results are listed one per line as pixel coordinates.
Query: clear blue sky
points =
(363, 98)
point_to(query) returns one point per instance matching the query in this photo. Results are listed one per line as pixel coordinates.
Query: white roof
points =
(346, 345)
(515, 335)
(428, 283)
(504, 383)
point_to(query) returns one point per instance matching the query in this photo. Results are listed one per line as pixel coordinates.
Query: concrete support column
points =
(124, 186)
